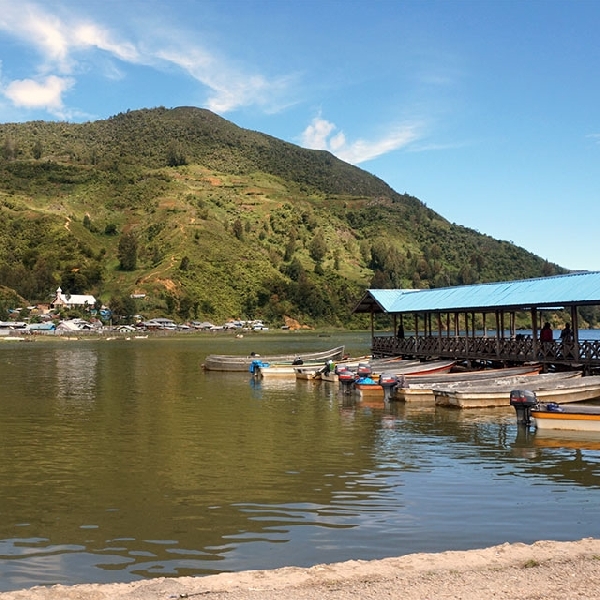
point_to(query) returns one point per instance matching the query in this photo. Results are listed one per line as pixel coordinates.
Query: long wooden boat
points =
(305, 369)
(419, 388)
(578, 390)
(567, 417)
(497, 393)
(363, 387)
(378, 364)
(226, 362)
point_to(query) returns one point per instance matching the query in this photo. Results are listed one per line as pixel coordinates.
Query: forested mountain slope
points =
(212, 221)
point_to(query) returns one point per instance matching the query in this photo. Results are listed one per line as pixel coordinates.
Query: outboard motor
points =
(388, 381)
(255, 367)
(523, 401)
(346, 379)
(364, 370)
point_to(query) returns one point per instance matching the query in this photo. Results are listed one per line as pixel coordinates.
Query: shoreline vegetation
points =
(545, 569)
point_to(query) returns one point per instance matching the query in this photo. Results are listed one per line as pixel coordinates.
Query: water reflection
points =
(565, 457)
(172, 471)
(75, 372)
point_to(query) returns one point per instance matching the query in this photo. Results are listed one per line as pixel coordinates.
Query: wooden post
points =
(534, 331)
(575, 324)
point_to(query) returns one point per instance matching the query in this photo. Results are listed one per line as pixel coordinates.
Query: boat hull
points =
(570, 419)
(309, 373)
(273, 371)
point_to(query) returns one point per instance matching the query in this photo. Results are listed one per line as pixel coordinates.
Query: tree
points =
(238, 229)
(318, 247)
(184, 264)
(37, 150)
(127, 252)
(176, 155)
(122, 307)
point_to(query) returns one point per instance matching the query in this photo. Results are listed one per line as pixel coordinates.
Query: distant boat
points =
(226, 362)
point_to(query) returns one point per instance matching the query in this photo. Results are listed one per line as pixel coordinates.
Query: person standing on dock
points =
(546, 334)
(566, 335)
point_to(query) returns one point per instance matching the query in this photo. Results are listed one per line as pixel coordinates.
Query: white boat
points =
(497, 393)
(577, 390)
(227, 362)
(419, 388)
(265, 370)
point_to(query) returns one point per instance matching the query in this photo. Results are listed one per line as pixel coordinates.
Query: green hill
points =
(212, 221)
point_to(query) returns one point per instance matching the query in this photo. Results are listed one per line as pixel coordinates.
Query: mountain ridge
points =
(218, 221)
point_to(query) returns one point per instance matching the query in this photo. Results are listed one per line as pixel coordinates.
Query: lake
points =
(124, 460)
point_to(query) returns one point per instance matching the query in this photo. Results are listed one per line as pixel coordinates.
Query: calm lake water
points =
(123, 460)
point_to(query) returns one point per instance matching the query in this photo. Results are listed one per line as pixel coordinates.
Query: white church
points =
(72, 300)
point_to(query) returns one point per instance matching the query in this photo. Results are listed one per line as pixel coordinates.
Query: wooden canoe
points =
(419, 388)
(226, 362)
(497, 393)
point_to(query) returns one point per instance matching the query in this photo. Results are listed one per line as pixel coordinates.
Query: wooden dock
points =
(582, 354)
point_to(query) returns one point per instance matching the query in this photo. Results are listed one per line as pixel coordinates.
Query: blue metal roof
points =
(558, 291)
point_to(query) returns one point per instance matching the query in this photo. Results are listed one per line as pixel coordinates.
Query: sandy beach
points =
(545, 569)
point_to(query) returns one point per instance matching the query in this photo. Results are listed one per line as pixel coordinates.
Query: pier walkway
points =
(584, 354)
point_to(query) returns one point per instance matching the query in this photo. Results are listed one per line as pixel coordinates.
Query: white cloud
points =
(316, 135)
(228, 87)
(61, 41)
(89, 35)
(36, 27)
(319, 135)
(46, 93)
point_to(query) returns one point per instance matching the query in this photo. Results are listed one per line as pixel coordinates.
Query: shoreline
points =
(545, 569)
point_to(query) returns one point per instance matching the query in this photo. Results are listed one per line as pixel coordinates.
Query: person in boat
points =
(546, 334)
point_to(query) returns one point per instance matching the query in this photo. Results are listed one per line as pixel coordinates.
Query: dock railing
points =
(585, 353)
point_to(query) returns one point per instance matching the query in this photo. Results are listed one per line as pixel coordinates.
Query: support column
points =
(534, 331)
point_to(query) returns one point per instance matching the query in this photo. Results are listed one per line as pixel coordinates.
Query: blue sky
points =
(487, 111)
